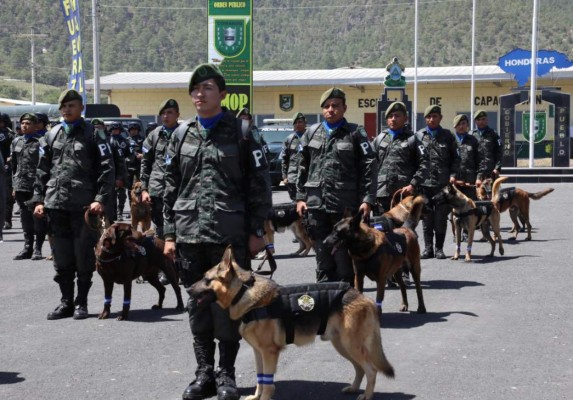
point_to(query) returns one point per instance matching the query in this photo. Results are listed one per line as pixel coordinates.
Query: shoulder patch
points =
(255, 134)
(362, 132)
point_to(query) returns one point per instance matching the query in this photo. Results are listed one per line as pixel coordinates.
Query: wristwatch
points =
(260, 232)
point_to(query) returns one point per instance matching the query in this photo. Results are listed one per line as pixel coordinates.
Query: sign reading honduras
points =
(518, 63)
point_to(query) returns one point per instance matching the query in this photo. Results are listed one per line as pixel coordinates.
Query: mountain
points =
(171, 35)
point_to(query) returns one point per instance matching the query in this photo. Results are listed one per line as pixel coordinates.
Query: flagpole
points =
(533, 83)
(415, 105)
(472, 95)
(95, 39)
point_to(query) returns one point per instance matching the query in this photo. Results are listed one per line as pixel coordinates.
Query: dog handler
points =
(75, 173)
(217, 193)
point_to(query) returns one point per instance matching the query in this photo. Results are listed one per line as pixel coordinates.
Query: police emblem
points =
(306, 303)
(398, 248)
(286, 101)
(230, 36)
(2, 137)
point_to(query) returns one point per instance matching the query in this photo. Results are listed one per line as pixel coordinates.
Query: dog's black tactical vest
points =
(302, 307)
(506, 196)
(483, 208)
(282, 215)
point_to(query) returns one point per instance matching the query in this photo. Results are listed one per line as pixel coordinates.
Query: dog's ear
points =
(226, 266)
(356, 220)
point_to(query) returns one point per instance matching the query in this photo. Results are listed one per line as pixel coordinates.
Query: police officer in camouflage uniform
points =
(154, 160)
(291, 154)
(24, 159)
(337, 173)
(121, 145)
(217, 193)
(6, 137)
(443, 164)
(490, 149)
(402, 161)
(75, 173)
(469, 157)
(135, 140)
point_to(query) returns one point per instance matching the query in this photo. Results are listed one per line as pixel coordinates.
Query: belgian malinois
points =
(274, 316)
(140, 211)
(515, 200)
(469, 215)
(380, 255)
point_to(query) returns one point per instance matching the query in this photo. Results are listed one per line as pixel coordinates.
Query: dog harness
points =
(282, 215)
(506, 196)
(382, 223)
(483, 208)
(302, 306)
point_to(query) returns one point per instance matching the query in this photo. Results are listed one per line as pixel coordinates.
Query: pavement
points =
(496, 328)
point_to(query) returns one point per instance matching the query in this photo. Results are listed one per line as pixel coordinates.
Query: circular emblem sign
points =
(306, 303)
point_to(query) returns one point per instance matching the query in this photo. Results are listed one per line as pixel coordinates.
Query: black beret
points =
(43, 118)
(30, 117)
(333, 93)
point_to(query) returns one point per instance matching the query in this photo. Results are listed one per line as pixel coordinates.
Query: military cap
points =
(459, 118)
(43, 118)
(480, 114)
(206, 71)
(69, 95)
(396, 106)
(30, 117)
(115, 125)
(298, 116)
(133, 125)
(169, 103)
(244, 111)
(97, 121)
(333, 93)
(432, 109)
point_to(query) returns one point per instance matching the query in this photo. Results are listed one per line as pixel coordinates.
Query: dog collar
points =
(246, 285)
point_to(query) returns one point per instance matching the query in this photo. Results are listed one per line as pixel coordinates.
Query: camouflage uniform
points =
(24, 161)
(469, 163)
(6, 138)
(291, 157)
(401, 160)
(153, 168)
(122, 153)
(443, 163)
(133, 163)
(490, 152)
(337, 173)
(75, 169)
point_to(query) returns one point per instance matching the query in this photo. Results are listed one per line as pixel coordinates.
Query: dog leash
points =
(272, 264)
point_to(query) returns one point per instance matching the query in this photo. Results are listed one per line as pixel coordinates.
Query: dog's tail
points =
(538, 195)
(495, 188)
(415, 212)
(378, 357)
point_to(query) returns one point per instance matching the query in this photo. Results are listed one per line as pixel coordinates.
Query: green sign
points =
(230, 46)
(540, 124)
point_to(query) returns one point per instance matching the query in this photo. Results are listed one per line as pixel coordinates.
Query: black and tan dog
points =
(274, 316)
(469, 215)
(281, 217)
(380, 255)
(515, 200)
(122, 255)
(140, 212)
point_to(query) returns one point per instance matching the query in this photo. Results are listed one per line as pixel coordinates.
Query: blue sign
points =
(518, 63)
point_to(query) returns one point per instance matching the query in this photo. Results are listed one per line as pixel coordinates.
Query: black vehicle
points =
(124, 123)
(274, 132)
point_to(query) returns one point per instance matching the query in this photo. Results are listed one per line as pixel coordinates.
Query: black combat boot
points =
(81, 303)
(226, 386)
(26, 252)
(428, 246)
(203, 386)
(66, 307)
(37, 254)
(440, 237)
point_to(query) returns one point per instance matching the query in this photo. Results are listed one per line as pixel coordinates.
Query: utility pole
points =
(95, 40)
(31, 36)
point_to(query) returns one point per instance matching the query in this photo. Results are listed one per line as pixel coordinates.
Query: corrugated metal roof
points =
(321, 77)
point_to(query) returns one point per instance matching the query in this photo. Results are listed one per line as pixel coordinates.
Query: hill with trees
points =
(171, 35)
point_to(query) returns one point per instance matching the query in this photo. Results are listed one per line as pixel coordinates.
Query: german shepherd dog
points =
(469, 215)
(380, 255)
(123, 254)
(283, 216)
(349, 321)
(140, 212)
(515, 200)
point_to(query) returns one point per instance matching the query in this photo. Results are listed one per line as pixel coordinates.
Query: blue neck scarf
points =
(169, 131)
(29, 136)
(461, 137)
(432, 133)
(209, 123)
(41, 132)
(69, 127)
(393, 133)
(330, 128)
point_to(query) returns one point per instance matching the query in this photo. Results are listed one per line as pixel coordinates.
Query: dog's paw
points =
(180, 307)
(501, 251)
(103, 315)
(350, 389)
(421, 310)
(403, 307)
(122, 317)
(156, 307)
